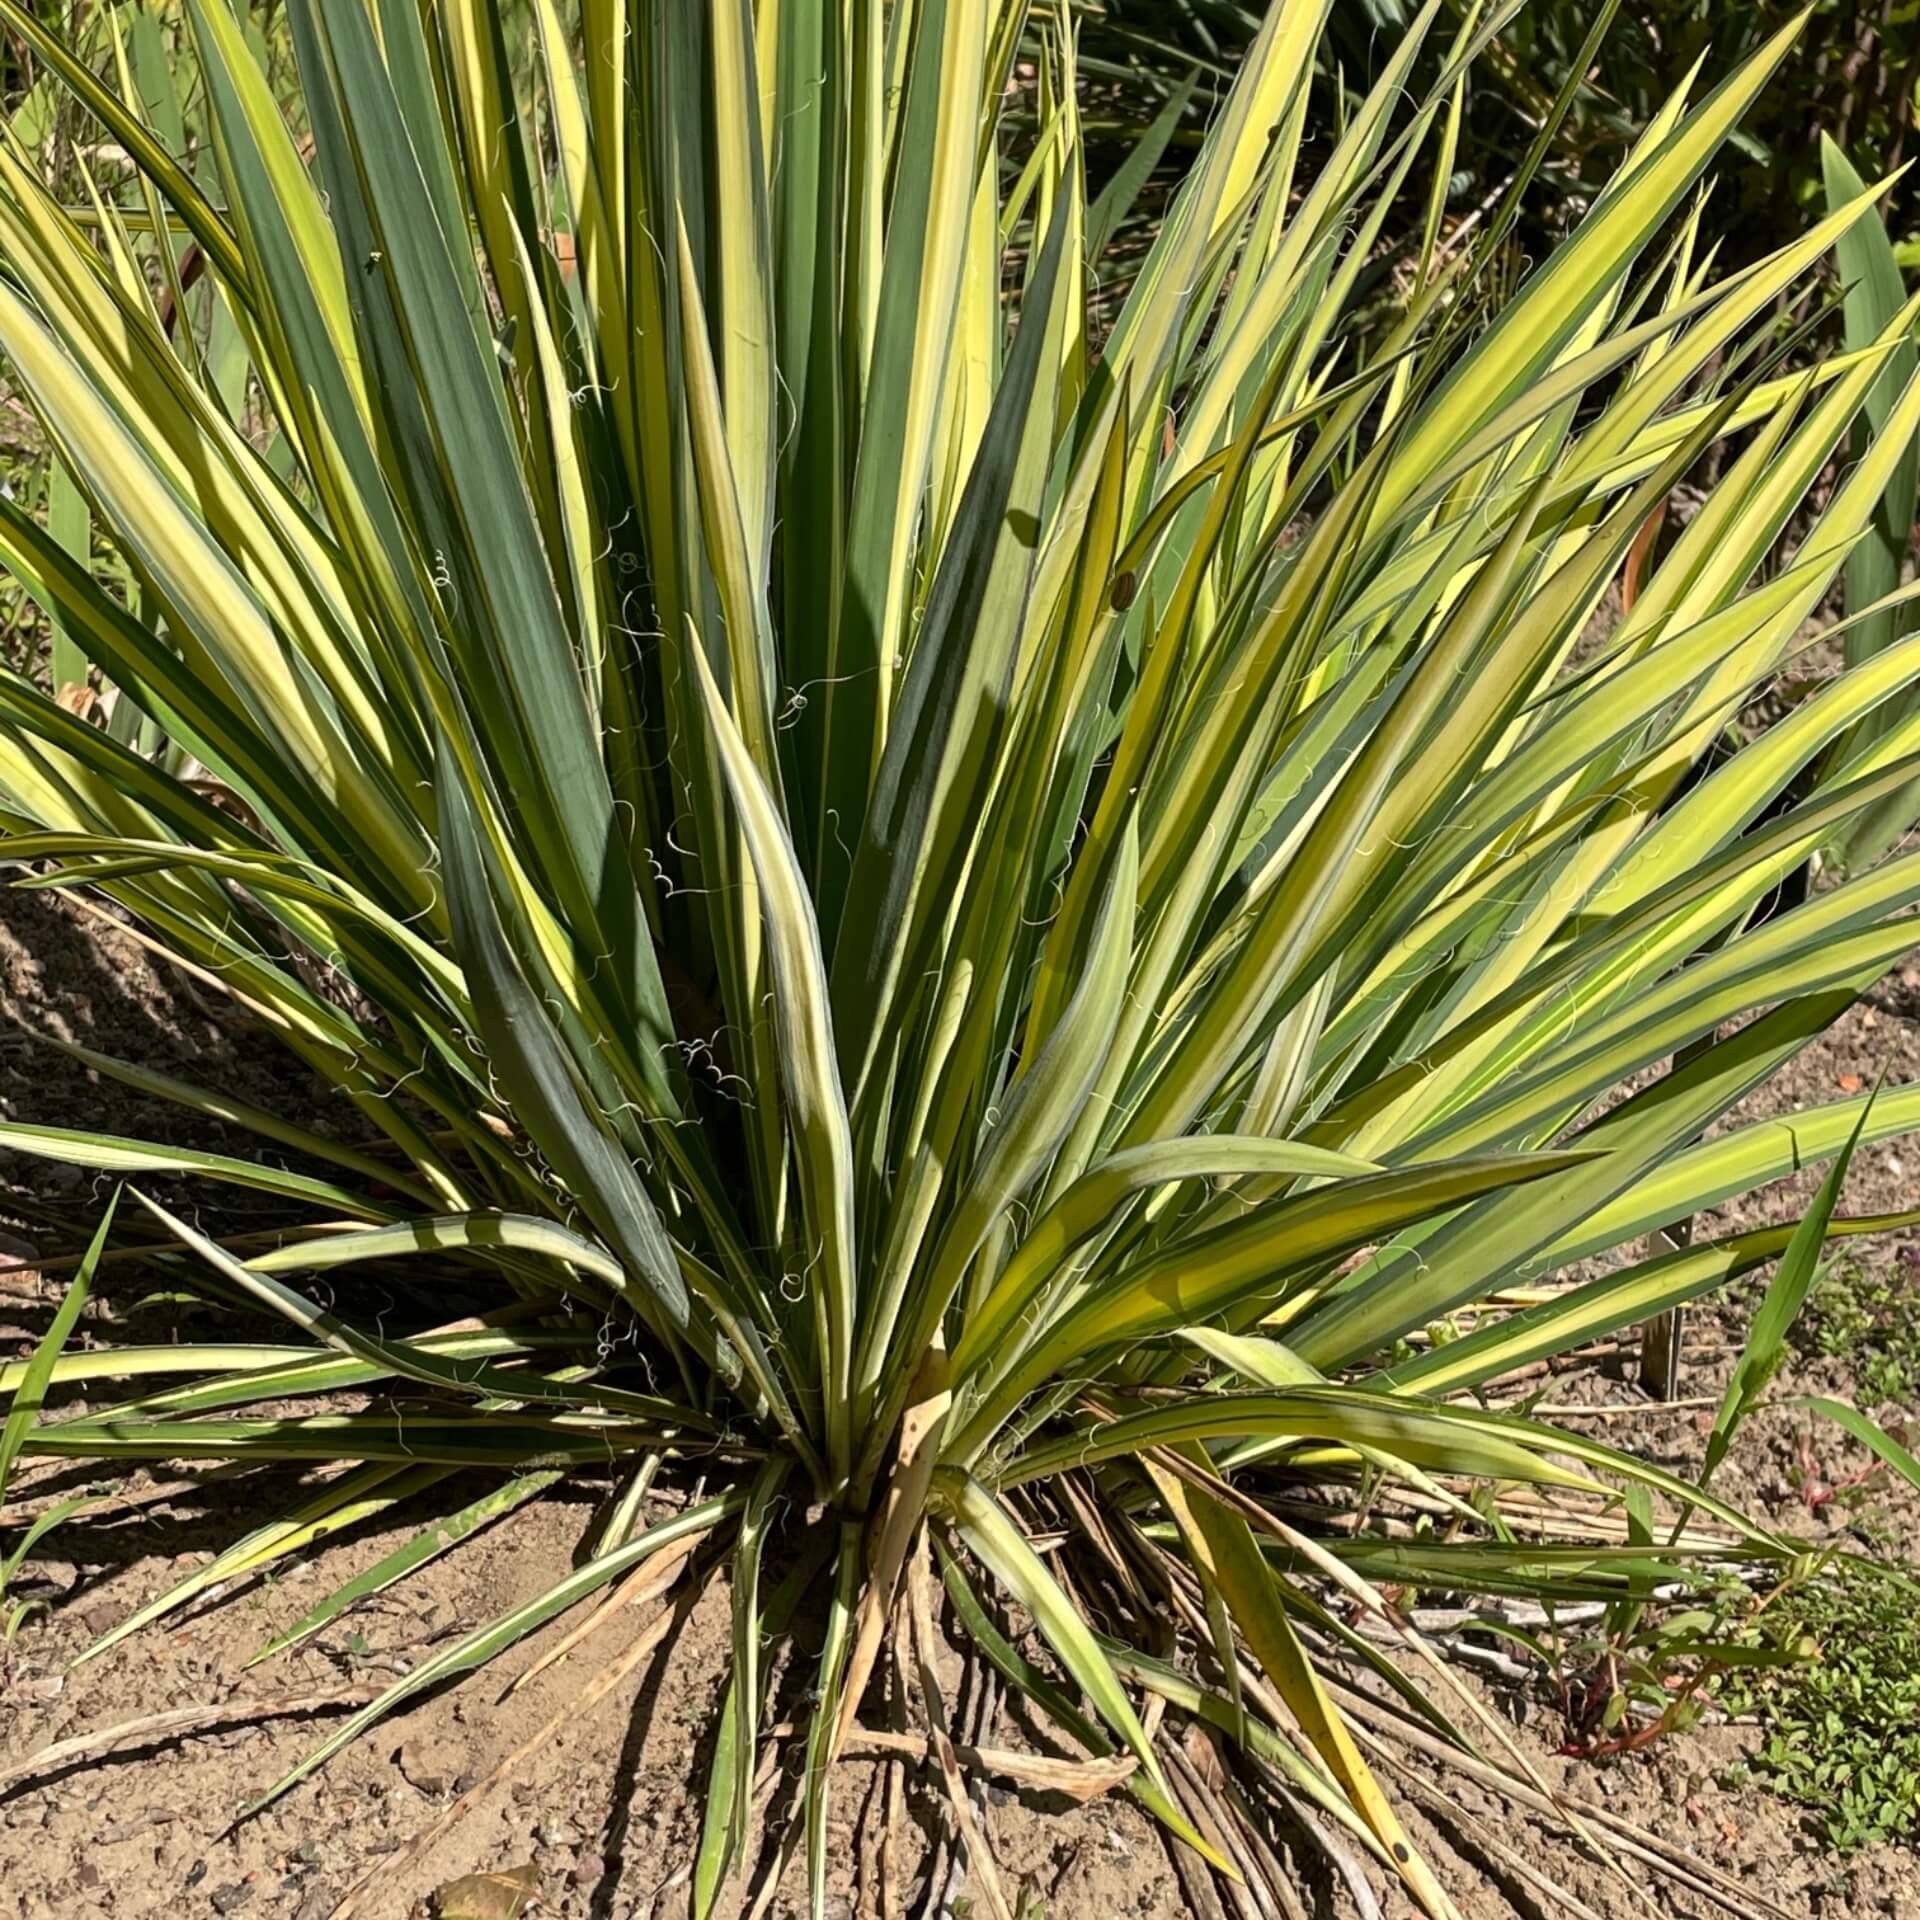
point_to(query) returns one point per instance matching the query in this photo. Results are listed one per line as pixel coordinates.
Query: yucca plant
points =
(972, 929)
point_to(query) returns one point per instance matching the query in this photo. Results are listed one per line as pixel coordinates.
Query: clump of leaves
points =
(956, 921)
(1840, 1726)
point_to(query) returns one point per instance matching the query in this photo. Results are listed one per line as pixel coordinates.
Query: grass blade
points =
(30, 1395)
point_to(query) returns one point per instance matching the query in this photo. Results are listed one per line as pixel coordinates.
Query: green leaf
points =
(438, 1537)
(1225, 1268)
(341, 1503)
(1627, 1297)
(545, 1084)
(762, 1498)
(1868, 1433)
(1447, 1439)
(1109, 211)
(1054, 1703)
(1004, 1549)
(31, 1393)
(1875, 293)
(902, 361)
(916, 831)
(1249, 1587)
(825, 1716)
(1093, 1201)
(108, 1154)
(1793, 1279)
(70, 523)
(810, 1069)
(408, 1359)
(37, 1530)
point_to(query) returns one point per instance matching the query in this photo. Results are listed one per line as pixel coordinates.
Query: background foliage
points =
(1856, 78)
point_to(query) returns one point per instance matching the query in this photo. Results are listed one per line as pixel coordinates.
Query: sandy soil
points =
(607, 1812)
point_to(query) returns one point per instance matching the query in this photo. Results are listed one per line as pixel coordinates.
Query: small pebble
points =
(423, 1771)
(100, 1617)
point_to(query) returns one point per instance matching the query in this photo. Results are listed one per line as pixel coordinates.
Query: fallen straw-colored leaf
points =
(177, 1722)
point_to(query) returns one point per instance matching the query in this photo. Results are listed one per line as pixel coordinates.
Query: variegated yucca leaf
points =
(832, 822)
